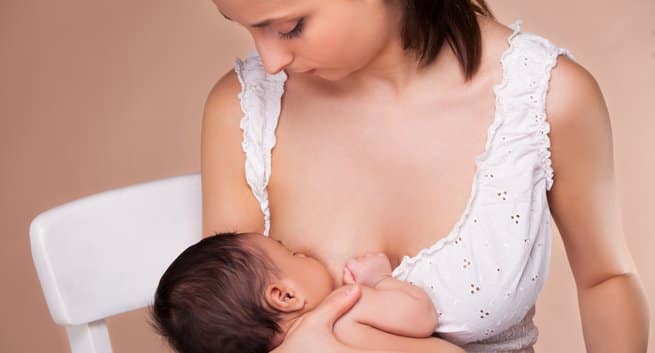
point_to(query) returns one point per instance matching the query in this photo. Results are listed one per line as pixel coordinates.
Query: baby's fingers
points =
(348, 277)
(356, 267)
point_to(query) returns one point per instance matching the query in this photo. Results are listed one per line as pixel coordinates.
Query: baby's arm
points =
(386, 303)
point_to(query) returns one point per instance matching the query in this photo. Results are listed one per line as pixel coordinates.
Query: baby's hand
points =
(367, 269)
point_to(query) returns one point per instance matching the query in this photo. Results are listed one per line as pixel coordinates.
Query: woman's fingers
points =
(334, 305)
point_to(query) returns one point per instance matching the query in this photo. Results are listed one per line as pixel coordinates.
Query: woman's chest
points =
(348, 179)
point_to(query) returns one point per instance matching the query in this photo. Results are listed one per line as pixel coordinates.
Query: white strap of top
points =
(260, 99)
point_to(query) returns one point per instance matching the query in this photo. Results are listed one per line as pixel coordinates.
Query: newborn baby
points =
(244, 292)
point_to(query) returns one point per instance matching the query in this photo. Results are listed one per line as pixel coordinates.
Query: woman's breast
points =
(335, 215)
(484, 277)
(352, 177)
(330, 234)
(335, 199)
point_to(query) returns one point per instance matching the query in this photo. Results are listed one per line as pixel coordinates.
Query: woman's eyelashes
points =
(295, 32)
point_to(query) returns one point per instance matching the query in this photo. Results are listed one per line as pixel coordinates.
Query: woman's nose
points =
(274, 56)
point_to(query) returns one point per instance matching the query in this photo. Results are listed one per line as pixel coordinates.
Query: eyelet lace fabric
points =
(484, 276)
(260, 99)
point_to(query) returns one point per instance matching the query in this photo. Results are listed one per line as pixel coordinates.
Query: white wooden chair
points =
(103, 254)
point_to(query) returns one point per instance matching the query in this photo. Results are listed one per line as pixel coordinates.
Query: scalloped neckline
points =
(491, 131)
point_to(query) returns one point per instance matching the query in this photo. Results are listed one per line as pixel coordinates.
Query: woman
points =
(378, 112)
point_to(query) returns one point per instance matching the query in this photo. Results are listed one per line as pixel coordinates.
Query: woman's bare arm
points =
(227, 202)
(585, 207)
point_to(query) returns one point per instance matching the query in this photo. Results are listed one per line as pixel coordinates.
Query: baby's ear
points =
(283, 296)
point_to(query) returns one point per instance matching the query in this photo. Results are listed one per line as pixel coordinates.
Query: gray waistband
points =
(519, 338)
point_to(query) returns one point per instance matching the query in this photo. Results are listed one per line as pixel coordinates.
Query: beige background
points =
(96, 95)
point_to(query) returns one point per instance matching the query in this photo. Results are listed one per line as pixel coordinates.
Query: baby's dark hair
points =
(210, 299)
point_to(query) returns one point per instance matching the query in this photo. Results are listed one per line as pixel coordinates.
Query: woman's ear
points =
(284, 296)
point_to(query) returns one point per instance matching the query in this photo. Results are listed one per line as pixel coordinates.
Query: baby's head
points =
(235, 292)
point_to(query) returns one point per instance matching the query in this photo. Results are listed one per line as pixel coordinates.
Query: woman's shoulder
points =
(227, 200)
(572, 89)
(577, 113)
(222, 102)
(493, 32)
(570, 82)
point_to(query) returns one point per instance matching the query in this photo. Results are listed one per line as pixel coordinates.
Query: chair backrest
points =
(104, 254)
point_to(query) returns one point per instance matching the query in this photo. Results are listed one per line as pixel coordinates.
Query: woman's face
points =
(334, 37)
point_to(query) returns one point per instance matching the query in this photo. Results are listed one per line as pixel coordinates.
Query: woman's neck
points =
(394, 71)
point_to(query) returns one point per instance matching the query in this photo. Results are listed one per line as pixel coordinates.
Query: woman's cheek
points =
(326, 50)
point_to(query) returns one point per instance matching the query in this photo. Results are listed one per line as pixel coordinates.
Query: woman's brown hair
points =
(427, 24)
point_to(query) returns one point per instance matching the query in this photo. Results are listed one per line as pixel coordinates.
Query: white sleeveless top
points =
(485, 275)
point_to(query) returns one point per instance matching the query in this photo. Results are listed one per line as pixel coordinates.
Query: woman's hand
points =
(313, 332)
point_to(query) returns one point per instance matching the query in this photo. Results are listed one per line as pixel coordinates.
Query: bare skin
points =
(373, 151)
(383, 161)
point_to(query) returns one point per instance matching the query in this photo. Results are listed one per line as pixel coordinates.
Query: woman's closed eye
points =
(295, 32)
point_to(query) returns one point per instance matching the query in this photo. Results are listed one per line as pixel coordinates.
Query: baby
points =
(244, 292)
